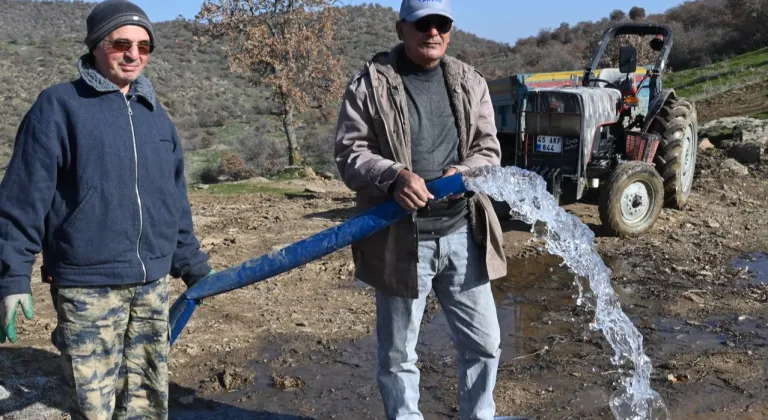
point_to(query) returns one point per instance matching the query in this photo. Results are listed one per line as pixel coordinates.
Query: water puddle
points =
(534, 304)
(755, 265)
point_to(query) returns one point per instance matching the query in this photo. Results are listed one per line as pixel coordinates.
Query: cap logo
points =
(135, 18)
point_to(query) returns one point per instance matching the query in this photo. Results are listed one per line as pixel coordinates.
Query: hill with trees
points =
(217, 110)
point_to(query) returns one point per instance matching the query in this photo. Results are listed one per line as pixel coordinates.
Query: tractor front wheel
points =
(631, 201)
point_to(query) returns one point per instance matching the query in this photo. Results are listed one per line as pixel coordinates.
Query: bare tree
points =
(749, 18)
(286, 45)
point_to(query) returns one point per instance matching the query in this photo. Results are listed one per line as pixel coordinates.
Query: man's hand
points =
(8, 314)
(200, 302)
(411, 191)
(447, 173)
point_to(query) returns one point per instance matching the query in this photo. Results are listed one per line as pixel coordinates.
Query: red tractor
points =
(612, 129)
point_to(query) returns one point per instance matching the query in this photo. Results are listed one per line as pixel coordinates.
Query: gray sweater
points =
(434, 144)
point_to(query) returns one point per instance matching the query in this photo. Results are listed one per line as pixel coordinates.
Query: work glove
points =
(8, 314)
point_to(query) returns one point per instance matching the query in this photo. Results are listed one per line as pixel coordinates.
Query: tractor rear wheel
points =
(631, 201)
(676, 156)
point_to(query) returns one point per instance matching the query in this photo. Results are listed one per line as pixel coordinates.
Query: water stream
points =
(567, 237)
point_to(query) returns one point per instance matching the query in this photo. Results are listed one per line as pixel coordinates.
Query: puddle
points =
(534, 303)
(671, 336)
(755, 264)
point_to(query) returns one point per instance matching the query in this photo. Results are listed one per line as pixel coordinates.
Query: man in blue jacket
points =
(96, 183)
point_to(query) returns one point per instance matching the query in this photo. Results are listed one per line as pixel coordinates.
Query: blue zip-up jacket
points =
(96, 183)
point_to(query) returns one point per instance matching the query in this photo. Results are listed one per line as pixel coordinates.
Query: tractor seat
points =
(612, 75)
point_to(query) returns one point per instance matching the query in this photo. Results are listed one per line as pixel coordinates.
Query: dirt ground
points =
(302, 345)
(747, 100)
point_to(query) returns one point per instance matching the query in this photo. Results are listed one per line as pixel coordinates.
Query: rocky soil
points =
(302, 345)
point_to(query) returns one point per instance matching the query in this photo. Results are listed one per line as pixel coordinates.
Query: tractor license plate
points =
(549, 144)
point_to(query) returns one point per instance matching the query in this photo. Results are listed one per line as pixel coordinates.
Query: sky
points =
(499, 20)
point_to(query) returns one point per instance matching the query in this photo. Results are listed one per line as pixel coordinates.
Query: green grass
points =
(703, 82)
(232, 130)
(760, 115)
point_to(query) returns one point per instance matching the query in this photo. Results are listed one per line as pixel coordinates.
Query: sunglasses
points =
(124, 45)
(443, 24)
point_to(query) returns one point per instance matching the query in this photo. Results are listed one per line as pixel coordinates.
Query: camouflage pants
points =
(114, 344)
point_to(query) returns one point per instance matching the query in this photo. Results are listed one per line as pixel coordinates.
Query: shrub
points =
(233, 167)
(262, 153)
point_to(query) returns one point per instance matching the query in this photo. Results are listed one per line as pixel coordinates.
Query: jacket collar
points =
(142, 87)
(385, 64)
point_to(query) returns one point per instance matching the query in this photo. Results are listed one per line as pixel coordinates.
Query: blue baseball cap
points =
(413, 10)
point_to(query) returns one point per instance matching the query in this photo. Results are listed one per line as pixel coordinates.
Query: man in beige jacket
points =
(409, 116)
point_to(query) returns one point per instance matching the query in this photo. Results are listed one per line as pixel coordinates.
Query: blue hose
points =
(300, 253)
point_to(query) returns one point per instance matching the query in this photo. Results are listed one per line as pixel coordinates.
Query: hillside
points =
(733, 87)
(208, 104)
(215, 109)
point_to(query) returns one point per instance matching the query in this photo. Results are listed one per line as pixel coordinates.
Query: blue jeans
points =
(454, 267)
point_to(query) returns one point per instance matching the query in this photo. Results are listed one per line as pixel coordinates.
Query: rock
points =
(678, 378)
(257, 180)
(314, 190)
(231, 379)
(202, 186)
(694, 297)
(309, 173)
(738, 129)
(705, 144)
(735, 167)
(326, 175)
(220, 148)
(287, 382)
(713, 224)
(227, 379)
(746, 153)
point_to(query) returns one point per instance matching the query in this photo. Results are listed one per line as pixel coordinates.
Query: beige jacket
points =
(373, 145)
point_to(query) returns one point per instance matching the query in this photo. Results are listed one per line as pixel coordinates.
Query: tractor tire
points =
(675, 158)
(631, 201)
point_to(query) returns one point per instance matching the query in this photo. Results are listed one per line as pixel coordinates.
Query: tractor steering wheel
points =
(609, 84)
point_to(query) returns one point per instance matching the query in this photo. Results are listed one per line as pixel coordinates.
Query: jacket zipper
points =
(136, 181)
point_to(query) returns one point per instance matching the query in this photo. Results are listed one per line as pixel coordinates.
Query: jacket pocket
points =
(161, 159)
(103, 229)
(79, 210)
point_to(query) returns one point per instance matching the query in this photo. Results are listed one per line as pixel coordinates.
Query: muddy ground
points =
(302, 345)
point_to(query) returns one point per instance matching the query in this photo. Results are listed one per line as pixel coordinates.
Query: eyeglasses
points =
(443, 24)
(124, 45)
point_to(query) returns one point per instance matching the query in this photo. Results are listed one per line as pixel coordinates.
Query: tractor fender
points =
(655, 107)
